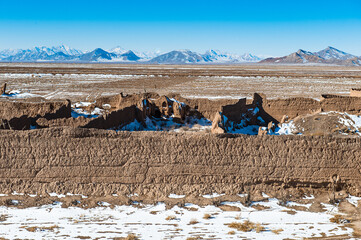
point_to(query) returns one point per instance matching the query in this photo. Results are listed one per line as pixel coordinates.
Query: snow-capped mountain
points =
(147, 55)
(123, 55)
(210, 56)
(66, 50)
(8, 52)
(118, 50)
(178, 57)
(333, 53)
(127, 56)
(217, 56)
(328, 55)
(97, 55)
(59, 53)
(136, 55)
(63, 53)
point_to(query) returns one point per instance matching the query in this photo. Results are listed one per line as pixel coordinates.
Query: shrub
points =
(247, 226)
(193, 221)
(172, 217)
(277, 231)
(207, 216)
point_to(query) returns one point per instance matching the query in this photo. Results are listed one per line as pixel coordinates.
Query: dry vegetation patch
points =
(277, 231)
(230, 208)
(339, 219)
(231, 233)
(260, 207)
(172, 217)
(3, 217)
(247, 226)
(129, 237)
(35, 228)
(193, 221)
(207, 216)
(291, 212)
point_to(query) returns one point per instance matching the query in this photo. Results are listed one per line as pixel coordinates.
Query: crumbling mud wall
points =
(355, 92)
(103, 162)
(21, 114)
(293, 107)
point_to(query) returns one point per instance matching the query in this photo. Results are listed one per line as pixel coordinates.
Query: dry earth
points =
(75, 81)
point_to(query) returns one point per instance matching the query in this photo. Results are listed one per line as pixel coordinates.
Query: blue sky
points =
(260, 27)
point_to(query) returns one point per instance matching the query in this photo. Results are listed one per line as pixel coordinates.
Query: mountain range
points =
(118, 54)
(329, 55)
(64, 53)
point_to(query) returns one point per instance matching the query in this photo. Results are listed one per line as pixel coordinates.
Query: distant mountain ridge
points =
(66, 54)
(329, 55)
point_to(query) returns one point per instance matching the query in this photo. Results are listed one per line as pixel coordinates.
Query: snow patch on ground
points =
(285, 129)
(17, 94)
(349, 120)
(213, 195)
(78, 111)
(150, 222)
(176, 196)
(168, 124)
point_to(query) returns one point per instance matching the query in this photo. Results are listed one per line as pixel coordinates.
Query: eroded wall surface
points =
(101, 162)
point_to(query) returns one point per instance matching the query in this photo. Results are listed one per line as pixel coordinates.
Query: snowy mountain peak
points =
(223, 57)
(67, 50)
(118, 50)
(329, 55)
(214, 52)
(304, 52)
(178, 57)
(334, 53)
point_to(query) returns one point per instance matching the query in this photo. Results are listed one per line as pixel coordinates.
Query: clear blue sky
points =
(256, 26)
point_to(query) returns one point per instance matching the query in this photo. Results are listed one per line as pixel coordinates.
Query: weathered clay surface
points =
(102, 162)
(20, 114)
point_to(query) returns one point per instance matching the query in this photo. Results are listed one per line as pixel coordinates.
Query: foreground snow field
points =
(270, 218)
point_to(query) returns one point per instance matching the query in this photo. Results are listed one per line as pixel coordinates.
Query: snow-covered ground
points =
(275, 221)
(168, 124)
(78, 111)
(349, 120)
(17, 94)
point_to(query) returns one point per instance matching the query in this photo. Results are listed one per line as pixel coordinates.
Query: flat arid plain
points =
(115, 151)
(192, 81)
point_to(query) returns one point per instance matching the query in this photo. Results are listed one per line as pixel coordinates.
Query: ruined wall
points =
(293, 107)
(208, 108)
(355, 92)
(351, 105)
(21, 114)
(100, 162)
(17, 108)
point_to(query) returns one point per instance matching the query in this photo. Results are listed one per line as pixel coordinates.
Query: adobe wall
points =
(103, 162)
(21, 114)
(355, 92)
(17, 108)
(293, 107)
(208, 108)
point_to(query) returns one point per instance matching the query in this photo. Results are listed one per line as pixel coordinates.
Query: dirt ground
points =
(79, 81)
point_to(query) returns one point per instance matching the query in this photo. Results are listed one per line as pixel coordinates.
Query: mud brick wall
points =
(101, 162)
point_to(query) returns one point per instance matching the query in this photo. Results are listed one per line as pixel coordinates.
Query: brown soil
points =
(197, 81)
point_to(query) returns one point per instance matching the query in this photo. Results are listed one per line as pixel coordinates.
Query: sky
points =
(266, 28)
